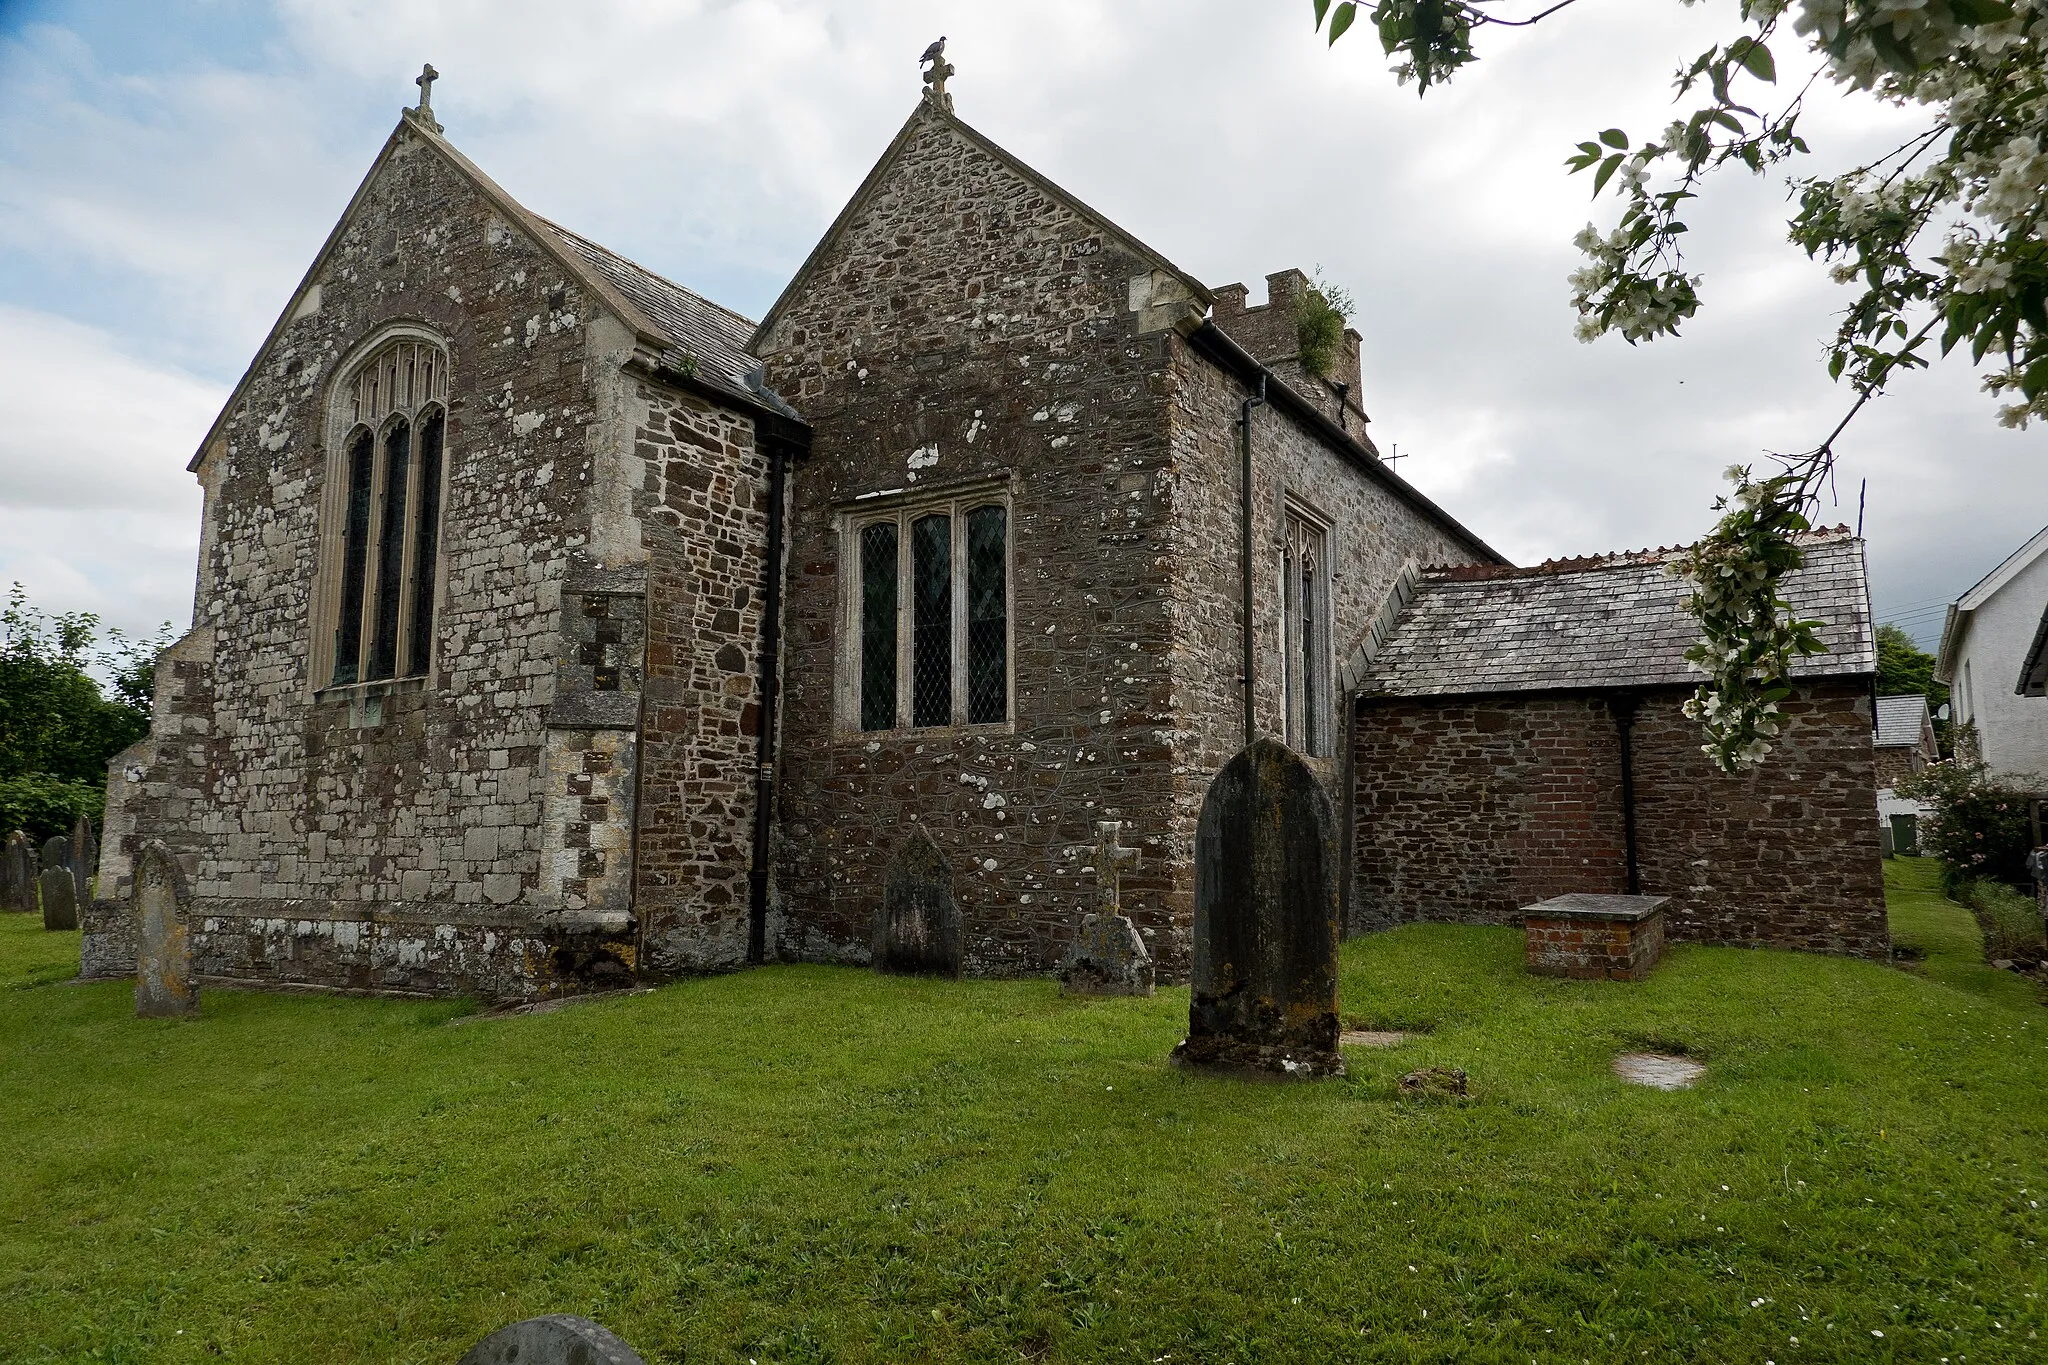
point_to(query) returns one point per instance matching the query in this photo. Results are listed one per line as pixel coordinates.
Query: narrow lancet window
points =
(391, 551)
(931, 597)
(426, 538)
(988, 624)
(878, 595)
(355, 557)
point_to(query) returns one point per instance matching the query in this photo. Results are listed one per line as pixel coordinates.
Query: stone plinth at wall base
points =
(1257, 1061)
(1612, 938)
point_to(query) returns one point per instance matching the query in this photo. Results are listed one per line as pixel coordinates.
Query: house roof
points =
(929, 111)
(1901, 721)
(676, 324)
(1609, 621)
(2034, 668)
(1957, 620)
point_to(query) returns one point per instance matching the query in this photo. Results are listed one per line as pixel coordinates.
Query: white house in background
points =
(1990, 653)
(1904, 744)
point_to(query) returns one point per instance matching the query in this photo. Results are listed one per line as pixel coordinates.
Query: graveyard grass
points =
(811, 1164)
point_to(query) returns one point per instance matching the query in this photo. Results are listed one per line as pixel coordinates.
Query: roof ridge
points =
(1611, 559)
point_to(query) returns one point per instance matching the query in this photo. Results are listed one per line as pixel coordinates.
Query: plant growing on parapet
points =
(1320, 314)
(1946, 232)
(1979, 828)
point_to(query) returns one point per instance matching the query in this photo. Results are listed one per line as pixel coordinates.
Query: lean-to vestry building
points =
(557, 628)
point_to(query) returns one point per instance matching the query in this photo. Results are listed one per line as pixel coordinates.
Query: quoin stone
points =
(1108, 955)
(917, 930)
(165, 986)
(18, 874)
(1267, 922)
(59, 897)
(557, 1339)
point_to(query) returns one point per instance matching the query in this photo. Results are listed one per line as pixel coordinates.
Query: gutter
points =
(1217, 346)
(1624, 709)
(782, 438)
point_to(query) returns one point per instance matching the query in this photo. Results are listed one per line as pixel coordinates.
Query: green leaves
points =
(1615, 138)
(1754, 58)
(1606, 172)
(1345, 14)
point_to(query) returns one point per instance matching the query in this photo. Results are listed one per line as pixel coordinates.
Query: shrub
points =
(2011, 921)
(1319, 320)
(1979, 827)
(43, 805)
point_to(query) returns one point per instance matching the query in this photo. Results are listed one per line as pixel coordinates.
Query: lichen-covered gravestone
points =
(85, 858)
(557, 1339)
(917, 929)
(18, 874)
(165, 987)
(59, 891)
(1107, 956)
(1266, 922)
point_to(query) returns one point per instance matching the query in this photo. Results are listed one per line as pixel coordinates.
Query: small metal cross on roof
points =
(1109, 857)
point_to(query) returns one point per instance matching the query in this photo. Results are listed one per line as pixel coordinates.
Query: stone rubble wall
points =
(969, 326)
(417, 834)
(1468, 809)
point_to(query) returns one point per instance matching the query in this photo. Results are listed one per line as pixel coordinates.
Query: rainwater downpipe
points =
(1244, 551)
(1624, 708)
(764, 747)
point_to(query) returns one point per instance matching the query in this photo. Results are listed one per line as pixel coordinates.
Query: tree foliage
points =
(1944, 234)
(58, 728)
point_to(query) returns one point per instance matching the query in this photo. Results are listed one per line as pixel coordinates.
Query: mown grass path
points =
(812, 1164)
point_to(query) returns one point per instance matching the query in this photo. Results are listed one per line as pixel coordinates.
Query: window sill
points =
(921, 733)
(352, 693)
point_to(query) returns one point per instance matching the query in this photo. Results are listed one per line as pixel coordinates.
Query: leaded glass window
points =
(1305, 652)
(988, 617)
(928, 628)
(388, 509)
(878, 574)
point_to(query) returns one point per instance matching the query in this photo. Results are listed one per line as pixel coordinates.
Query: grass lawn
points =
(816, 1164)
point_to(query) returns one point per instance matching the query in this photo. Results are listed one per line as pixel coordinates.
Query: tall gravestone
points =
(18, 874)
(85, 858)
(1266, 922)
(59, 893)
(1108, 956)
(165, 987)
(917, 930)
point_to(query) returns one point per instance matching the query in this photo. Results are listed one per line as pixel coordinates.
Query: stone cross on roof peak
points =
(425, 81)
(936, 74)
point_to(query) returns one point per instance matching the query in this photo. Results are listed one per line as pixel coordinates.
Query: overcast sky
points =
(169, 167)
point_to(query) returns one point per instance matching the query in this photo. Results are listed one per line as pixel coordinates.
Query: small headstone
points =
(165, 987)
(18, 874)
(56, 852)
(85, 858)
(557, 1339)
(917, 929)
(1266, 922)
(1658, 1070)
(1107, 956)
(59, 897)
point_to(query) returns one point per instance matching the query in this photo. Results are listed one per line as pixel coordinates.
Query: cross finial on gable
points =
(425, 81)
(935, 75)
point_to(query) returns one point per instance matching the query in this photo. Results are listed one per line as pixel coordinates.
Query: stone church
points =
(557, 628)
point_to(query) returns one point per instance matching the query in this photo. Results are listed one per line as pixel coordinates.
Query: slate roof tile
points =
(1606, 621)
(1899, 720)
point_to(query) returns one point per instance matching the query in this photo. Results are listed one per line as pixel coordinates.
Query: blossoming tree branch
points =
(1945, 233)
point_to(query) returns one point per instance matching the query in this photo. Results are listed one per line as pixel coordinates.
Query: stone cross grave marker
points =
(59, 891)
(18, 874)
(1108, 956)
(1266, 923)
(165, 987)
(917, 929)
(557, 1339)
(85, 858)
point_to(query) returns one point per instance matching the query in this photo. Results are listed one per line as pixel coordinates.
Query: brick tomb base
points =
(1614, 938)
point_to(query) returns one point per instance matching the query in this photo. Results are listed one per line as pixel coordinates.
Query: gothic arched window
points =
(384, 515)
(1305, 633)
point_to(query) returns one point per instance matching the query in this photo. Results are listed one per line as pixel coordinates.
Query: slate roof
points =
(2034, 668)
(707, 340)
(1899, 721)
(1601, 622)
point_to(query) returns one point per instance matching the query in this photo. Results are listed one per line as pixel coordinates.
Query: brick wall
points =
(1467, 809)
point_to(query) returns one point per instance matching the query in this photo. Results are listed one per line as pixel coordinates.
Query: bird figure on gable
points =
(934, 54)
